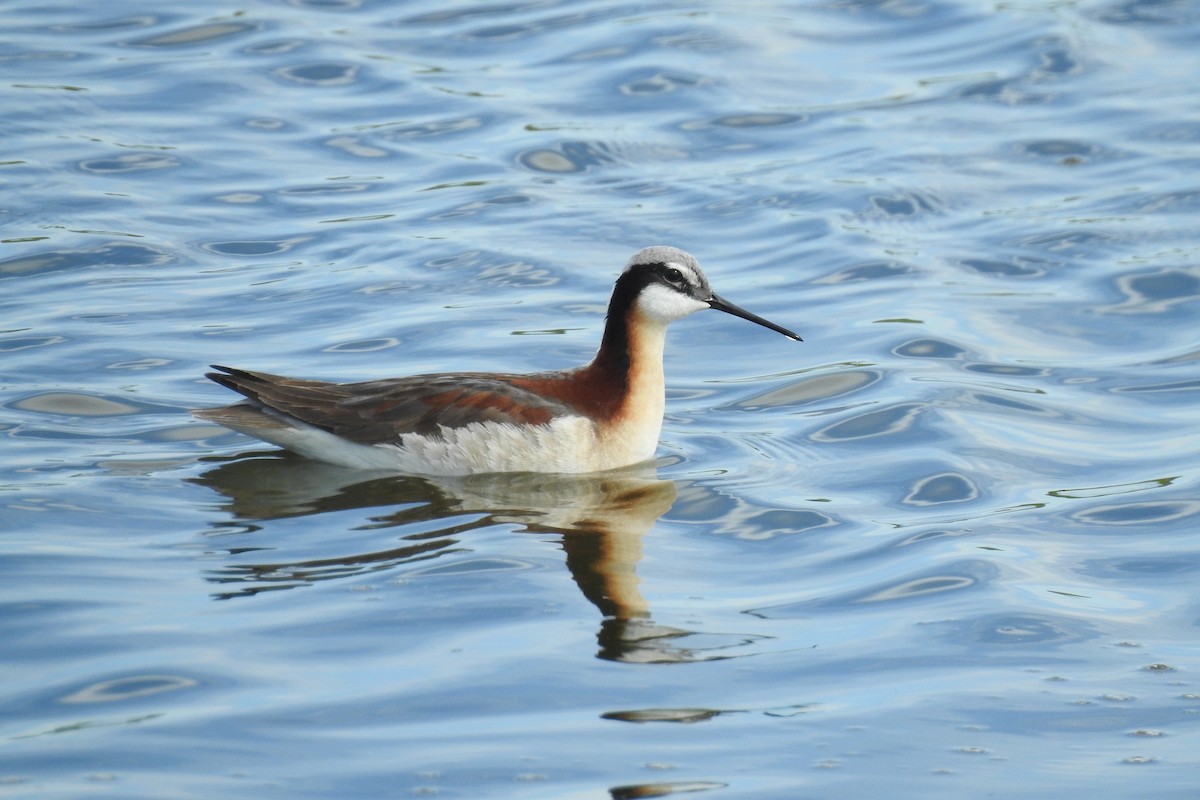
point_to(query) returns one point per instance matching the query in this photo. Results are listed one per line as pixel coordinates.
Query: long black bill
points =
(737, 311)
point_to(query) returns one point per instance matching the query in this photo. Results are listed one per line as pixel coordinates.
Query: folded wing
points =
(374, 412)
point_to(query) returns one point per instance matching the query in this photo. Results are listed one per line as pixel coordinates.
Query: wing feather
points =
(372, 412)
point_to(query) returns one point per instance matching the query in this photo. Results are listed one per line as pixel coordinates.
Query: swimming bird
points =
(603, 415)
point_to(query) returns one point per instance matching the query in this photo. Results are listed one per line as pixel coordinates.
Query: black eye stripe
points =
(670, 274)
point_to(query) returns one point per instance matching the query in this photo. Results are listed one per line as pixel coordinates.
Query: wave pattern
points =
(957, 523)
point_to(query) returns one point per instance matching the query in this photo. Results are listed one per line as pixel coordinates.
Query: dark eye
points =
(673, 275)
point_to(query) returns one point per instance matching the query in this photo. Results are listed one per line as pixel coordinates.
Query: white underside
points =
(567, 444)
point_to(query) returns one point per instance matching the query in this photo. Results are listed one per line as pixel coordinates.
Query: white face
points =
(664, 304)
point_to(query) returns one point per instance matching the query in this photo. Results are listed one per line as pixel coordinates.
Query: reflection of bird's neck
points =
(604, 547)
(605, 569)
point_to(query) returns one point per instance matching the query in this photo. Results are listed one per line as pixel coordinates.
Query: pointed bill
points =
(729, 308)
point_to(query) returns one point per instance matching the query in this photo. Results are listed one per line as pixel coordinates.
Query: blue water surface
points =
(947, 547)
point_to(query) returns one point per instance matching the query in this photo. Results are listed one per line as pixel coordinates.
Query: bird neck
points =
(630, 360)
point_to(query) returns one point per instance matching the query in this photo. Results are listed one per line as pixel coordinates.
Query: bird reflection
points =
(601, 520)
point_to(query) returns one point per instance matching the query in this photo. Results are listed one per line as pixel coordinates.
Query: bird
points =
(604, 415)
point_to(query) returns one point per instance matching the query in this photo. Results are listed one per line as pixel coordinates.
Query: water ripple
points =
(970, 491)
(197, 34)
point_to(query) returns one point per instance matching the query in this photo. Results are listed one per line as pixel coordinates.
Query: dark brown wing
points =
(382, 411)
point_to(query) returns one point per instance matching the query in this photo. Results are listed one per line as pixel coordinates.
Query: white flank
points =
(567, 444)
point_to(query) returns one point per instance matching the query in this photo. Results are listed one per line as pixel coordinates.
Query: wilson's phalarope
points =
(603, 415)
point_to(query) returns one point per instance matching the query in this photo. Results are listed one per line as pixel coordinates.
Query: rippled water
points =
(947, 547)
